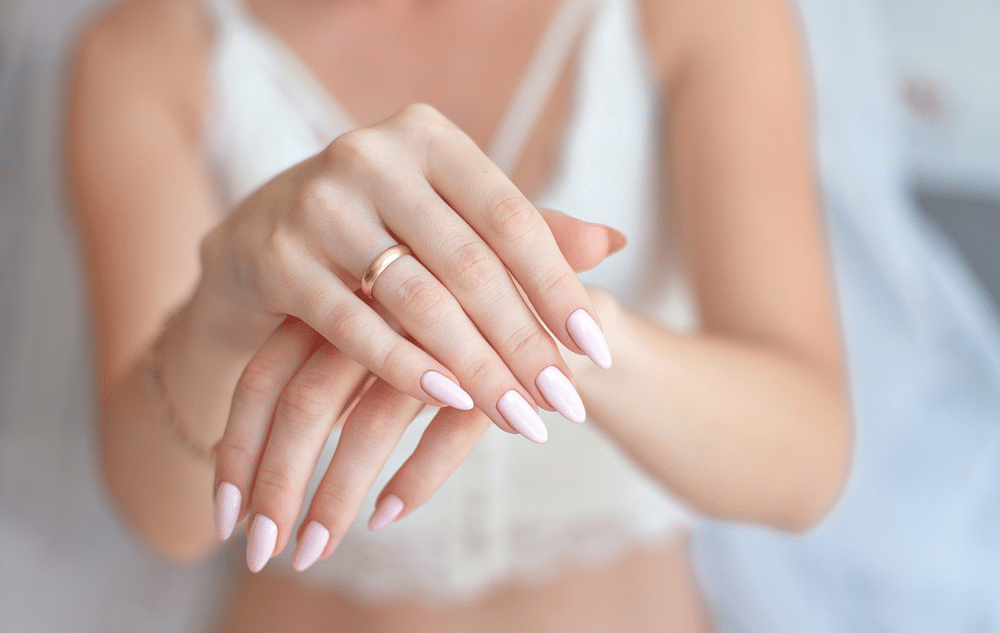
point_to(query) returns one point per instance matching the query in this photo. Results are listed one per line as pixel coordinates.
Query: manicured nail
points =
(444, 389)
(588, 336)
(260, 542)
(227, 509)
(311, 545)
(386, 512)
(522, 416)
(559, 391)
(616, 241)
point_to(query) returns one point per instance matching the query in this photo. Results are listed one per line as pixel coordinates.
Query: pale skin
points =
(745, 419)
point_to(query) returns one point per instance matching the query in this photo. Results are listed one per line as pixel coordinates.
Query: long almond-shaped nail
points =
(444, 389)
(588, 336)
(260, 542)
(388, 509)
(227, 509)
(311, 545)
(561, 394)
(522, 416)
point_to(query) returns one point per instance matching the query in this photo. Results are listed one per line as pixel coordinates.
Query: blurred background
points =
(944, 63)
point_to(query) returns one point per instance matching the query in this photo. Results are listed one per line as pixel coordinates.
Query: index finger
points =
(490, 203)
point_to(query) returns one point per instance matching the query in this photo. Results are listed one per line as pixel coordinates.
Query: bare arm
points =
(144, 204)
(747, 418)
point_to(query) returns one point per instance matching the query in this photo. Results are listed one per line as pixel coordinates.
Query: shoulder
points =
(151, 51)
(686, 33)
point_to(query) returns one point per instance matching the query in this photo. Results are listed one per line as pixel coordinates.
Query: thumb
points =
(583, 244)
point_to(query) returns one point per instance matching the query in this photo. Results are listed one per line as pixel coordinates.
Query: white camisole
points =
(514, 511)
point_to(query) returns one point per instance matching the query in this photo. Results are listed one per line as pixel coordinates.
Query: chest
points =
(466, 58)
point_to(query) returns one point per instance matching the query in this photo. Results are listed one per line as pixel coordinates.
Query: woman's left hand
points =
(302, 384)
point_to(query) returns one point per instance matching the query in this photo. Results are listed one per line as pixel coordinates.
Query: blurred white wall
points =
(945, 62)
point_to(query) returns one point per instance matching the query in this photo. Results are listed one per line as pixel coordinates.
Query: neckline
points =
(521, 113)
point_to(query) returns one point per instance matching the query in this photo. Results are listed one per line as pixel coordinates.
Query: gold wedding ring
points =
(381, 262)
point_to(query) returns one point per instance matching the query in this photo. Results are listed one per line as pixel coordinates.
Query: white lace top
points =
(514, 511)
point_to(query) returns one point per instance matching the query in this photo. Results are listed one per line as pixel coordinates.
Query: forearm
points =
(739, 430)
(163, 487)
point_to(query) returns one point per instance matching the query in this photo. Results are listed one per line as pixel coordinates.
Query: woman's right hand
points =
(300, 245)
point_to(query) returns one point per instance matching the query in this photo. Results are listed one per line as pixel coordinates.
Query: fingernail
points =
(616, 241)
(588, 336)
(386, 512)
(522, 416)
(444, 389)
(227, 509)
(260, 542)
(559, 391)
(311, 545)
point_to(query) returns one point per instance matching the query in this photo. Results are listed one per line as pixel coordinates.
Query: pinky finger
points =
(447, 441)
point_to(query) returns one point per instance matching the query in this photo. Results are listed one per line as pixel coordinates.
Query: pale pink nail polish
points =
(261, 540)
(388, 509)
(227, 509)
(522, 416)
(444, 389)
(313, 542)
(588, 336)
(559, 391)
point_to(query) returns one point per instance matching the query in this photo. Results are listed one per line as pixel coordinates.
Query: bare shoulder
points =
(686, 33)
(146, 50)
(668, 26)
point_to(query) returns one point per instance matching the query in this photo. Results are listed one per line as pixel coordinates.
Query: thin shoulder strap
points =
(537, 83)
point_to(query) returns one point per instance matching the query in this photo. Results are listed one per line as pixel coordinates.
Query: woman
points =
(742, 418)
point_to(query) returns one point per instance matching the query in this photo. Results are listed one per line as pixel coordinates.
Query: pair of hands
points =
(480, 341)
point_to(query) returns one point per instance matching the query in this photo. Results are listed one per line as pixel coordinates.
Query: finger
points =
(254, 402)
(515, 230)
(432, 316)
(324, 302)
(484, 295)
(583, 244)
(447, 441)
(370, 434)
(325, 385)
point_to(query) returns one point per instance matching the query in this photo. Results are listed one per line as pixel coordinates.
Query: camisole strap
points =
(538, 83)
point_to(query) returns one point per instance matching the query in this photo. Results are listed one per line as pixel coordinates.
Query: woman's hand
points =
(305, 386)
(301, 244)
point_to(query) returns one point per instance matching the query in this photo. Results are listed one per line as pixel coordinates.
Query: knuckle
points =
(422, 300)
(315, 195)
(398, 356)
(277, 251)
(381, 416)
(553, 281)
(331, 498)
(378, 426)
(511, 218)
(526, 341)
(231, 457)
(481, 370)
(271, 486)
(307, 400)
(346, 324)
(421, 114)
(353, 150)
(473, 265)
(261, 380)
